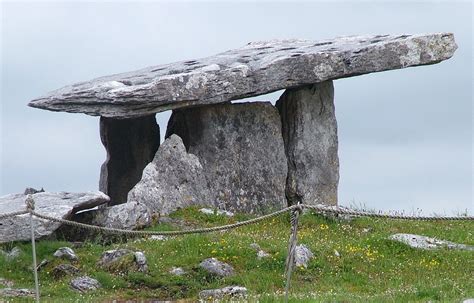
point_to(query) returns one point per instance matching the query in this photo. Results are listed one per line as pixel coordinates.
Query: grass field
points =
(370, 268)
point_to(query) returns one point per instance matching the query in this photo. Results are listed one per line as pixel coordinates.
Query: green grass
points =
(370, 267)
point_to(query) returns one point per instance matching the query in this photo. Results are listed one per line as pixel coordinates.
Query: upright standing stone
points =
(241, 151)
(174, 179)
(131, 144)
(310, 134)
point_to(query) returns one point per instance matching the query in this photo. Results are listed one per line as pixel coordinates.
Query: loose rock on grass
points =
(84, 283)
(216, 267)
(66, 253)
(229, 292)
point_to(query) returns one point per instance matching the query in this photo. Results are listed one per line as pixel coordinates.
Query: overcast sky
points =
(405, 136)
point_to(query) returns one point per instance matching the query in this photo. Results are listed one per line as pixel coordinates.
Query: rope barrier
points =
(342, 211)
(295, 210)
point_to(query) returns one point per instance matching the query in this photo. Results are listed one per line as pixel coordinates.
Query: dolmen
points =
(249, 157)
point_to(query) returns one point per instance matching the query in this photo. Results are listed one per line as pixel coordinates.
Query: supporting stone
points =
(241, 151)
(130, 144)
(174, 179)
(310, 134)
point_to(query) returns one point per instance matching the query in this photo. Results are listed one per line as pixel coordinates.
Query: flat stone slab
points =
(59, 205)
(428, 243)
(255, 69)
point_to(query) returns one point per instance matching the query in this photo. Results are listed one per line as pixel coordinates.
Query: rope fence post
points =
(30, 206)
(290, 258)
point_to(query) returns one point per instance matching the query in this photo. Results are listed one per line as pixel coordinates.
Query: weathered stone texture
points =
(310, 134)
(174, 179)
(241, 151)
(59, 205)
(130, 144)
(255, 69)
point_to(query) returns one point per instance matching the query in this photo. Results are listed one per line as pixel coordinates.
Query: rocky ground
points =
(353, 259)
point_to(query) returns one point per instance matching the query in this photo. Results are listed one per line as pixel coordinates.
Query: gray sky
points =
(405, 136)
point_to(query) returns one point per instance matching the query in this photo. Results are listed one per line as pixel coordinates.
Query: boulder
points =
(241, 151)
(130, 144)
(61, 205)
(226, 293)
(427, 243)
(84, 284)
(310, 134)
(174, 179)
(216, 267)
(255, 69)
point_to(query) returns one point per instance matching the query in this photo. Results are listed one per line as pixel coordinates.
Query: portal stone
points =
(310, 133)
(241, 150)
(131, 144)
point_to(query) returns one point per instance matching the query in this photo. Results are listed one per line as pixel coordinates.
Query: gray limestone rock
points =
(255, 69)
(241, 151)
(216, 267)
(177, 271)
(219, 212)
(16, 292)
(422, 242)
(66, 253)
(64, 270)
(12, 254)
(174, 179)
(84, 284)
(310, 134)
(59, 205)
(303, 255)
(226, 293)
(6, 283)
(123, 260)
(130, 215)
(130, 144)
(140, 259)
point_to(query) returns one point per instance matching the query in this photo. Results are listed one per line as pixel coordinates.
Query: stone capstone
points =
(61, 205)
(255, 69)
(130, 144)
(428, 243)
(216, 267)
(226, 293)
(84, 284)
(310, 134)
(174, 179)
(241, 151)
(66, 253)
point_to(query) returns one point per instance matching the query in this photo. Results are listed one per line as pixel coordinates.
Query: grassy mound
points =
(369, 267)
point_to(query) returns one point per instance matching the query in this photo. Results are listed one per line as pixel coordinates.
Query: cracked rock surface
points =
(254, 69)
